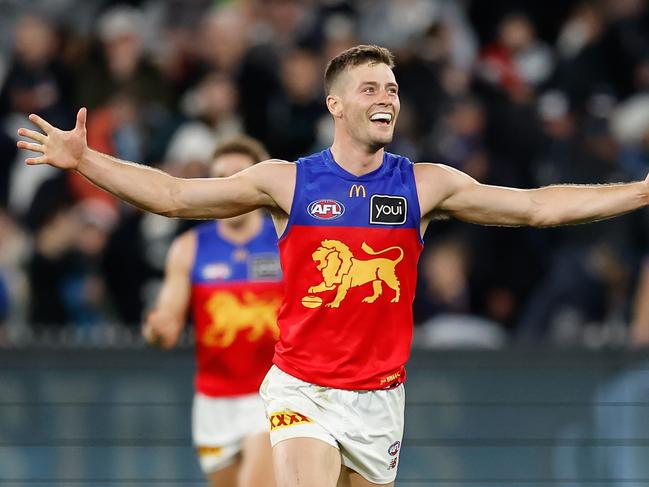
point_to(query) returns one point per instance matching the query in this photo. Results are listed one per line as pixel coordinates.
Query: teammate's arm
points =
(148, 188)
(166, 321)
(447, 190)
(640, 315)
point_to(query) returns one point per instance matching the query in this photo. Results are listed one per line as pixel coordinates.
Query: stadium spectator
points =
(37, 81)
(295, 111)
(122, 65)
(213, 117)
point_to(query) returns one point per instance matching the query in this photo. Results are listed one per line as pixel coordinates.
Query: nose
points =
(384, 98)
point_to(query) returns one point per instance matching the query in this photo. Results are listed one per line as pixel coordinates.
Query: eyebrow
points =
(390, 84)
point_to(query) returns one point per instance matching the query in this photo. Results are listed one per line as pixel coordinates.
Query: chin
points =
(380, 142)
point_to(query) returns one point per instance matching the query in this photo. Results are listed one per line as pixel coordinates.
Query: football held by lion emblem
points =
(311, 301)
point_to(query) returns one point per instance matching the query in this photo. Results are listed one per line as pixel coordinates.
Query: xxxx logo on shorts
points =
(282, 419)
(212, 451)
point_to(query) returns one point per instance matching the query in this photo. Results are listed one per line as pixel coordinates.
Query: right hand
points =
(59, 148)
(160, 330)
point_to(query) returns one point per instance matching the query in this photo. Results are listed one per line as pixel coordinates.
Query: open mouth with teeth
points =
(381, 118)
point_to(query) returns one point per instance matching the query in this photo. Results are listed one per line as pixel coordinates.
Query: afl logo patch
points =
(326, 209)
(394, 448)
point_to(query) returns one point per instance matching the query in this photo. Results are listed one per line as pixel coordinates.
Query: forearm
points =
(464, 198)
(571, 204)
(148, 188)
(144, 187)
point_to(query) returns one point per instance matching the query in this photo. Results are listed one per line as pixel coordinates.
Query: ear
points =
(335, 106)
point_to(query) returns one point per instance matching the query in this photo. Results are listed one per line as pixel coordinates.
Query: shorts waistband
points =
(392, 385)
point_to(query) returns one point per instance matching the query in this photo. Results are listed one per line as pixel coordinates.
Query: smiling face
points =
(364, 101)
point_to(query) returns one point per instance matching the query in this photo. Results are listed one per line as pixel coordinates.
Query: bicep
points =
(490, 205)
(225, 197)
(448, 191)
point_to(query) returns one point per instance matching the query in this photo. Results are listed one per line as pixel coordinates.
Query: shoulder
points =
(267, 174)
(271, 167)
(438, 182)
(276, 164)
(427, 173)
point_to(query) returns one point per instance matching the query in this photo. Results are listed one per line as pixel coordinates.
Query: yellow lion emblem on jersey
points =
(342, 271)
(231, 316)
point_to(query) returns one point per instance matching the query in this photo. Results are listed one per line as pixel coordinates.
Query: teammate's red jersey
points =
(349, 256)
(236, 295)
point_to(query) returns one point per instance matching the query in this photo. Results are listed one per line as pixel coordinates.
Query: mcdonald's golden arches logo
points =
(357, 190)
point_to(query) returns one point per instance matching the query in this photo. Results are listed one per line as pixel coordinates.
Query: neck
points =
(355, 157)
(241, 229)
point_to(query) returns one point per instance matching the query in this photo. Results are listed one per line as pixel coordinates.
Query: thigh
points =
(371, 443)
(217, 441)
(306, 462)
(349, 478)
(226, 476)
(256, 468)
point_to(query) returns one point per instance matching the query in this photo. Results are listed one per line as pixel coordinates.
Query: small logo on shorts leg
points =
(394, 448)
(393, 451)
(212, 451)
(282, 419)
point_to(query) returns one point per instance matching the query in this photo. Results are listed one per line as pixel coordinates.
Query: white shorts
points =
(366, 426)
(219, 425)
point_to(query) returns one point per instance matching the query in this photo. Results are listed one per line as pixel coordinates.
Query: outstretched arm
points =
(447, 190)
(145, 187)
(165, 322)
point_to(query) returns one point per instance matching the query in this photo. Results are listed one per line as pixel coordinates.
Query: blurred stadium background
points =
(530, 364)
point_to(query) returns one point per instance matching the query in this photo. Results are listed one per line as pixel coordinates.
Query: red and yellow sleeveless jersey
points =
(349, 257)
(236, 295)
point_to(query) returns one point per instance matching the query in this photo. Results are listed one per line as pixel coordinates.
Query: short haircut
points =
(355, 56)
(244, 145)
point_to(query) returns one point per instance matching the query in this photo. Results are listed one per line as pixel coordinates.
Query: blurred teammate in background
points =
(228, 272)
(351, 220)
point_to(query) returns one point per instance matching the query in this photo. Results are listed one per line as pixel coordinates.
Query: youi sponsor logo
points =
(388, 209)
(326, 209)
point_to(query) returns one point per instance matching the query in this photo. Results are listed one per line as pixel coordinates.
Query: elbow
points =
(170, 212)
(171, 206)
(541, 217)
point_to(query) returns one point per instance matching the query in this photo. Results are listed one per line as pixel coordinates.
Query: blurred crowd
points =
(514, 93)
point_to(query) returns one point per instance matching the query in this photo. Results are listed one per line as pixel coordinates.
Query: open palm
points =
(59, 148)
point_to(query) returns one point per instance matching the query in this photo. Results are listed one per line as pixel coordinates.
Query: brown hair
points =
(242, 144)
(355, 56)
